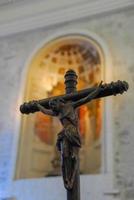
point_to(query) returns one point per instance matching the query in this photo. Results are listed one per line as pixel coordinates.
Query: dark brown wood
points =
(71, 82)
(113, 88)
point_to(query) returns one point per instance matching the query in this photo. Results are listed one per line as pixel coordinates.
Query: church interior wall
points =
(117, 31)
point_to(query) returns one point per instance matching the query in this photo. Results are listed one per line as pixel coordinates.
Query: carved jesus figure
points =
(68, 141)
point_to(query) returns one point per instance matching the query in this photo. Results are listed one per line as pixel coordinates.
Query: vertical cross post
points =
(70, 83)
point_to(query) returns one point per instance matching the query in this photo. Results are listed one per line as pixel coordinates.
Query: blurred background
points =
(39, 41)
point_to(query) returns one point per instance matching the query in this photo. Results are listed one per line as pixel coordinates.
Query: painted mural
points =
(46, 79)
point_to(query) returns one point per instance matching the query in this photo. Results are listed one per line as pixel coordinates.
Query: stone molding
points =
(36, 14)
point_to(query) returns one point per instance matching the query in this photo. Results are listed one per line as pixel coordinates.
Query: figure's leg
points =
(75, 167)
(59, 140)
(62, 145)
(66, 173)
(69, 168)
(69, 160)
(66, 163)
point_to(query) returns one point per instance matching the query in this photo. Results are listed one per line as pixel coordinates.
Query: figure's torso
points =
(67, 115)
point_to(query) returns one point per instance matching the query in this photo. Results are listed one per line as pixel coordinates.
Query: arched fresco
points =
(46, 78)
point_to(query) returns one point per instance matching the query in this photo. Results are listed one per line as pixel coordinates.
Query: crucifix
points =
(65, 108)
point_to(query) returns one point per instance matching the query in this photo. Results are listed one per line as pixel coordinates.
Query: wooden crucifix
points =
(65, 108)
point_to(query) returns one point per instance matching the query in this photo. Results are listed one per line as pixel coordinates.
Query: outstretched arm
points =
(88, 98)
(44, 110)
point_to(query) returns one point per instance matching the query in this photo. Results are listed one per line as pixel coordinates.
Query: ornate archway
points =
(45, 78)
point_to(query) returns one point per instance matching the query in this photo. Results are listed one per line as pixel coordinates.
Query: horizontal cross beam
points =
(112, 88)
